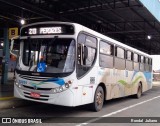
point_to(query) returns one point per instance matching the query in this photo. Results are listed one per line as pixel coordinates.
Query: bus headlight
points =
(66, 85)
(54, 90)
(17, 84)
(61, 88)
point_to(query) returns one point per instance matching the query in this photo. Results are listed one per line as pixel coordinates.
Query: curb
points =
(6, 98)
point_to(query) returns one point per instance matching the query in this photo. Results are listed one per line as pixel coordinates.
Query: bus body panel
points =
(126, 86)
(88, 84)
(65, 98)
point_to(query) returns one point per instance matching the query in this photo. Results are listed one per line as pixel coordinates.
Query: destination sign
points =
(47, 30)
(32, 31)
(50, 30)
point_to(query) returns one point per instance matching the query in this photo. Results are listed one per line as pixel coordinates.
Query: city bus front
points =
(45, 69)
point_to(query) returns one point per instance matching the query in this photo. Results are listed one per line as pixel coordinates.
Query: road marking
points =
(5, 98)
(118, 111)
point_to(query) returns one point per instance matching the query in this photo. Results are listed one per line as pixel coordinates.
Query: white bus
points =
(68, 64)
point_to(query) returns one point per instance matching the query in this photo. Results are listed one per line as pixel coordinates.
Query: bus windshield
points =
(49, 55)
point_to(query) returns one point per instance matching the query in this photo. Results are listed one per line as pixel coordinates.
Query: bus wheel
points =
(139, 91)
(98, 99)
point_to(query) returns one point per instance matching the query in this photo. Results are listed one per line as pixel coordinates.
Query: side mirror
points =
(12, 45)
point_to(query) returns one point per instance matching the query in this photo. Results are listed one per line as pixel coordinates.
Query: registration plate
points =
(35, 95)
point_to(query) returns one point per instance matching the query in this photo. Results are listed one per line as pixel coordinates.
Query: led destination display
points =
(47, 30)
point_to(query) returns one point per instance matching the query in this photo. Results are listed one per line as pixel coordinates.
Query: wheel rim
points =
(99, 98)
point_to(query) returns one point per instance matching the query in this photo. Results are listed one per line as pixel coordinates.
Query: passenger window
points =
(142, 59)
(106, 55)
(129, 55)
(119, 60)
(150, 61)
(146, 60)
(120, 52)
(135, 57)
(106, 48)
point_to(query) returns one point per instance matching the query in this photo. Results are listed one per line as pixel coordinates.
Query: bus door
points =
(86, 72)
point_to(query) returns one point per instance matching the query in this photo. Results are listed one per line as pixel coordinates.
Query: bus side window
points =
(119, 61)
(141, 63)
(150, 64)
(106, 54)
(120, 53)
(136, 62)
(146, 65)
(129, 59)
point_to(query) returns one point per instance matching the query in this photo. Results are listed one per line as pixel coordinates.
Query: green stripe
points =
(130, 85)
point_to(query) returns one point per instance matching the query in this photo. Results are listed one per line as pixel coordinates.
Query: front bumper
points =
(65, 98)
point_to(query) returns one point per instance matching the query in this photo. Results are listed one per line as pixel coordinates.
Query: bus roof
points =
(90, 31)
(103, 37)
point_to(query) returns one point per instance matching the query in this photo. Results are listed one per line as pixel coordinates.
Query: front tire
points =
(98, 99)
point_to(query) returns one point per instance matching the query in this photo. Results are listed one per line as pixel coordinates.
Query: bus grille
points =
(34, 78)
(42, 97)
(42, 89)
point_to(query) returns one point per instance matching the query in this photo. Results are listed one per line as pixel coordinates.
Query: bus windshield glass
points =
(48, 55)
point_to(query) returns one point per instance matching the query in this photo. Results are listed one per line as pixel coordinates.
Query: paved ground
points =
(146, 106)
(6, 90)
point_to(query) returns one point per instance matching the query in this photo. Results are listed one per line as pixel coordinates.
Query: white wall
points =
(156, 62)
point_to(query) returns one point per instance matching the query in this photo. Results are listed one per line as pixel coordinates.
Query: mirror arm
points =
(13, 54)
(12, 44)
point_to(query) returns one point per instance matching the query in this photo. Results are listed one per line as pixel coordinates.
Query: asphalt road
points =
(122, 110)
